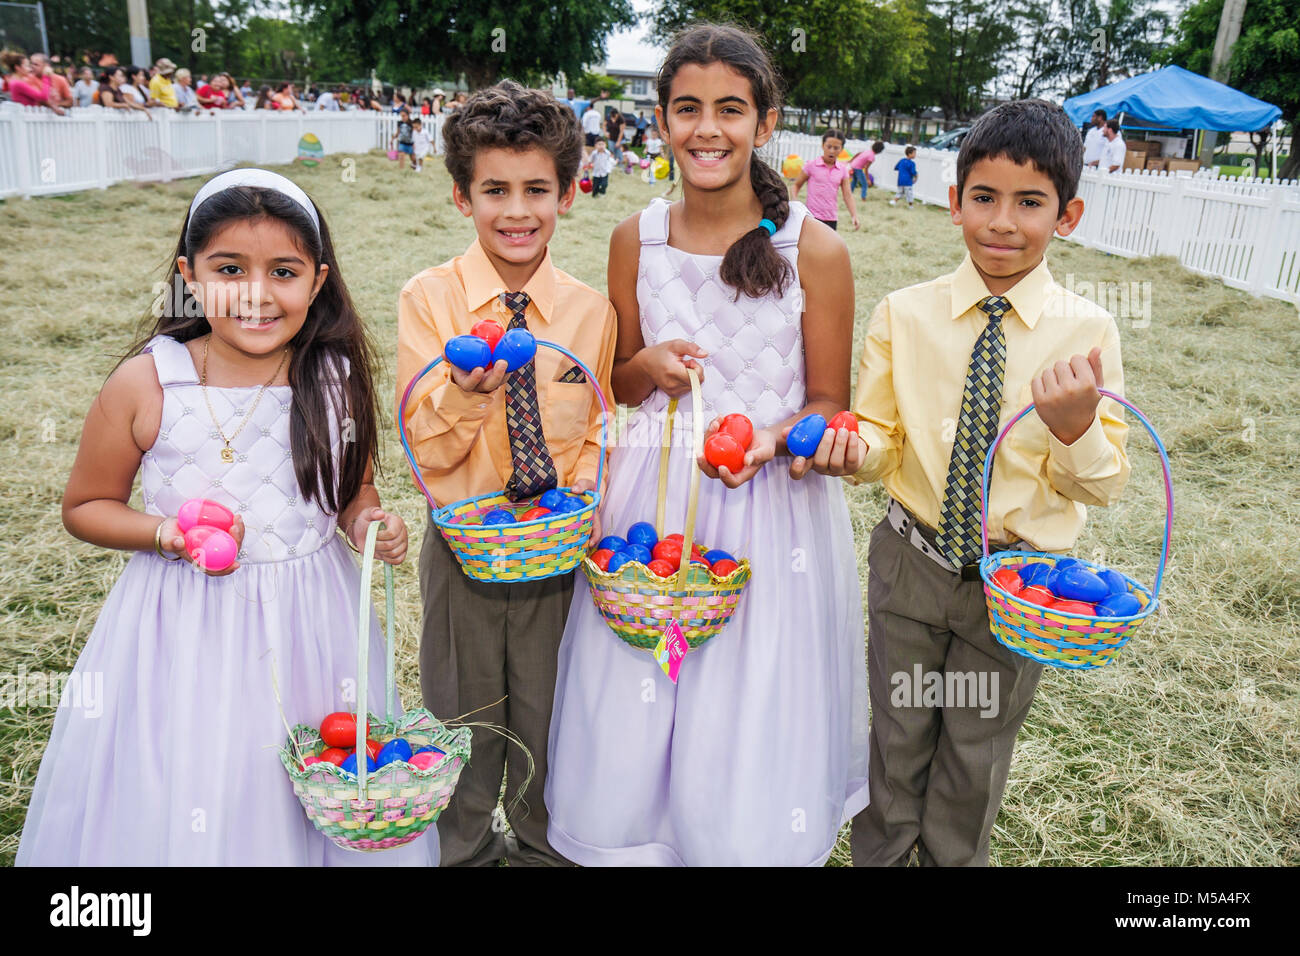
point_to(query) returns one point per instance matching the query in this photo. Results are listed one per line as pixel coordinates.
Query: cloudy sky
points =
(632, 49)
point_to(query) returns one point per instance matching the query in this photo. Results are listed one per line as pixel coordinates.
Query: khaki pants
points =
(481, 642)
(937, 772)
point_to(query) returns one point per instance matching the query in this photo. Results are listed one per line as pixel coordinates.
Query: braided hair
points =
(752, 265)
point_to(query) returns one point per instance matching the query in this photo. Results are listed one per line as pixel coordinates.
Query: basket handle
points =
(363, 648)
(591, 380)
(1164, 466)
(697, 449)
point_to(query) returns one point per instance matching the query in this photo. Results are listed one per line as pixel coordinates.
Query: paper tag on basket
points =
(670, 650)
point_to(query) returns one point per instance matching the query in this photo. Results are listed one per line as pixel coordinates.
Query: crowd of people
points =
(36, 81)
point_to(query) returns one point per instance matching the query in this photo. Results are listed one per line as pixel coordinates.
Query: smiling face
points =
(712, 125)
(255, 283)
(1008, 212)
(514, 198)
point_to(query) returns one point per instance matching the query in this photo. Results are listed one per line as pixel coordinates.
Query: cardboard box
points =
(1134, 160)
(1183, 165)
(1157, 162)
(1141, 146)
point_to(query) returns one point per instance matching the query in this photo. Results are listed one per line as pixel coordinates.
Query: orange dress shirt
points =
(459, 438)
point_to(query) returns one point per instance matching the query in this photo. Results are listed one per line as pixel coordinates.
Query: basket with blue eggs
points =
(493, 537)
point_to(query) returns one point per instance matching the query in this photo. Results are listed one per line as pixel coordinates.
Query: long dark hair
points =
(752, 264)
(333, 331)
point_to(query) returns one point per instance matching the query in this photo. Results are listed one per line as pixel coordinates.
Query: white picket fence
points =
(1243, 231)
(43, 154)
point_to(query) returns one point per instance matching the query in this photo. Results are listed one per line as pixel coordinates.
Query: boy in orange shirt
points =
(512, 154)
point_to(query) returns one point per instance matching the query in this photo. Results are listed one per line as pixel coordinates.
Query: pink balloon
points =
(217, 552)
(199, 511)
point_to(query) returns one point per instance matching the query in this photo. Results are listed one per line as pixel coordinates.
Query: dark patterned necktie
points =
(534, 469)
(959, 538)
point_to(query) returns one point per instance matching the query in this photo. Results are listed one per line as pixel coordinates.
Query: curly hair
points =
(511, 116)
(752, 265)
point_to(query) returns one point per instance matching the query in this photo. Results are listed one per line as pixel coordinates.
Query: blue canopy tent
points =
(1174, 97)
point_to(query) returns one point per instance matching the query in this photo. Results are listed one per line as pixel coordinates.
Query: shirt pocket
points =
(567, 413)
(1027, 440)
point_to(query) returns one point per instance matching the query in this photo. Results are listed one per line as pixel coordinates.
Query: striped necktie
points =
(534, 470)
(959, 538)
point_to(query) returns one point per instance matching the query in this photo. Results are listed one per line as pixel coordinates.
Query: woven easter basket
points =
(636, 603)
(1060, 638)
(397, 803)
(518, 550)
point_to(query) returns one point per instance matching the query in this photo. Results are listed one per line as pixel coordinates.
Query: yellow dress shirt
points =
(162, 90)
(910, 382)
(459, 438)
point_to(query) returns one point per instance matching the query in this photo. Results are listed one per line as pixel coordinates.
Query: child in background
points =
(653, 144)
(860, 165)
(512, 154)
(973, 348)
(404, 139)
(906, 168)
(758, 754)
(826, 176)
(420, 142)
(239, 395)
(601, 164)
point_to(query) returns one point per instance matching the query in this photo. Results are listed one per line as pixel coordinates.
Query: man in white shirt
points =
(1095, 142)
(590, 128)
(1112, 157)
(327, 101)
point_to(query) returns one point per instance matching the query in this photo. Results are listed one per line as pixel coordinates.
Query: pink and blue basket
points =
(518, 550)
(1060, 638)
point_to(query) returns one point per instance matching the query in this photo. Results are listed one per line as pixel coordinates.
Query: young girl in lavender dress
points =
(759, 753)
(254, 391)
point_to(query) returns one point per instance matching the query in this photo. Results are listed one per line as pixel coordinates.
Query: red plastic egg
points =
(489, 330)
(722, 450)
(680, 539)
(661, 568)
(1008, 580)
(670, 551)
(601, 558)
(372, 749)
(699, 559)
(532, 513)
(334, 755)
(724, 568)
(738, 427)
(1075, 607)
(1036, 594)
(339, 729)
(844, 420)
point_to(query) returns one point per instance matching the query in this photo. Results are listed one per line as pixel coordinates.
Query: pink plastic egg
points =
(199, 511)
(308, 761)
(424, 761)
(216, 552)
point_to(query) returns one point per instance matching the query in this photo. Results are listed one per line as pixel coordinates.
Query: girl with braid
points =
(758, 754)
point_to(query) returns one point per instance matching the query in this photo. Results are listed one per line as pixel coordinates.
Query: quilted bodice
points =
(185, 461)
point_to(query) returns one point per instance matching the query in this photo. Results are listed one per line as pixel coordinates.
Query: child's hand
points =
(172, 532)
(856, 224)
(390, 544)
(667, 362)
(482, 380)
(1066, 396)
(761, 450)
(840, 453)
(586, 484)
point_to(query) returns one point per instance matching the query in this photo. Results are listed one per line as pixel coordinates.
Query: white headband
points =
(262, 178)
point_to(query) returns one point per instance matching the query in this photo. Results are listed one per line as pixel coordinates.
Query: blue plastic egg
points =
(571, 503)
(612, 542)
(638, 552)
(396, 749)
(619, 559)
(716, 555)
(1119, 605)
(1078, 584)
(1035, 573)
(806, 436)
(350, 765)
(1115, 581)
(431, 749)
(1064, 564)
(552, 500)
(468, 352)
(517, 347)
(498, 516)
(643, 533)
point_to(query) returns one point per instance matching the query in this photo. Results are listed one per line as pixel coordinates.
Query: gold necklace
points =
(227, 453)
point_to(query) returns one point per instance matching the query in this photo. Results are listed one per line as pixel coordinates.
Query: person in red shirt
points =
(60, 91)
(25, 86)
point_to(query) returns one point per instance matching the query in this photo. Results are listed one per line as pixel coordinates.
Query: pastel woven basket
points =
(636, 603)
(397, 803)
(520, 550)
(1060, 638)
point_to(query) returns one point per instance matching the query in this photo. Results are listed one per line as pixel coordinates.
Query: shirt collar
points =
(1027, 297)
(482, 283)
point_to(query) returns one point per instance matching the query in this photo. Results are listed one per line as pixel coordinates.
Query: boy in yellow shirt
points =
(512, 154)
(946, 364)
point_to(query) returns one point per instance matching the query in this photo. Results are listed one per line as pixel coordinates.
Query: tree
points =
(484, 40)
(591, 85)
(1265, 61)
(970, 41)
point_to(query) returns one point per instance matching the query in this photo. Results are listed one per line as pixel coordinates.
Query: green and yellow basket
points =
(636, 603)
(1060, 638)
(399, 802)
(519, 550)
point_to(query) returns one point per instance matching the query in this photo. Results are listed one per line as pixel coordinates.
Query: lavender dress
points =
(175, 762)
(759, 753)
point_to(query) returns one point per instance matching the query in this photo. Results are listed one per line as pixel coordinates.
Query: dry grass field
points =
(1183, 752)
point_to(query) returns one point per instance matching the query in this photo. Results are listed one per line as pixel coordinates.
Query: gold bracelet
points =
(157, 543)
(349, 541)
